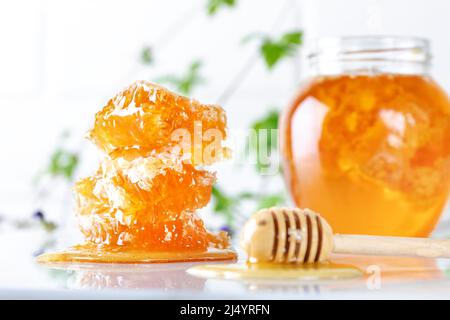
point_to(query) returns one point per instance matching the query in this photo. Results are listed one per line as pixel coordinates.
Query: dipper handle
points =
(391, 246)
(292, 235)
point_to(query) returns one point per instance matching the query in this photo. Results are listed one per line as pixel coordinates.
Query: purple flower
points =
(38, 215)
(227, 229)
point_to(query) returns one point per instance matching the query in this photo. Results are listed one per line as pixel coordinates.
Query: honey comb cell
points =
(147, 117)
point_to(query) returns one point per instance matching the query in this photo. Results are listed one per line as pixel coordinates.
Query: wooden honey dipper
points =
(287, 235)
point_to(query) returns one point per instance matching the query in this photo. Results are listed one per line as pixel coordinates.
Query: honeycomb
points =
(147, 117)
(148, 187)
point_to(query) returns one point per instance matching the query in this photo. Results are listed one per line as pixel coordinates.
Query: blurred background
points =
(60, 61)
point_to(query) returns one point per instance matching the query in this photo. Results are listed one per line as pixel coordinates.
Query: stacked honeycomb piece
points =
(151, 181)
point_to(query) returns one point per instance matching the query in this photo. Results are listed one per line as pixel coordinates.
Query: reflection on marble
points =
(380, 275)
(21, 277)
(131, 276)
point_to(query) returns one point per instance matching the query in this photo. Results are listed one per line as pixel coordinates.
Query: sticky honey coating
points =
(285, 275)
(145, 203)
(148, 187)
(146, 117)
(287, 235)
(91, 253)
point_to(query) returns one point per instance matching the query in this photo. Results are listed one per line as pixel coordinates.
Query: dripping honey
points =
(280, 272)
(371, 153)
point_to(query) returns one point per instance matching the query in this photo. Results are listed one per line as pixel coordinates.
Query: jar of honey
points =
(366, 141)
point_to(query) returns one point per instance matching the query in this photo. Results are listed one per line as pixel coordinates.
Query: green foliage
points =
(186, 83)
(268, 122)
(228, 205)
(63, 163)
(48, 225)
(214, 5)
(260, 147)
(147, 55)
(271, 200)
(274, 50)
(224, 204)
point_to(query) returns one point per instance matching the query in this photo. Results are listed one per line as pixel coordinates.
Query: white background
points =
(61, 60)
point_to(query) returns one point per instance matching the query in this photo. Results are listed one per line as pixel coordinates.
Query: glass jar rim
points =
(411, 48)
(369, 55)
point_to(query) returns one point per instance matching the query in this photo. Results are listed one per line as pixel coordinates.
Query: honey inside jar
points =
(370, 151)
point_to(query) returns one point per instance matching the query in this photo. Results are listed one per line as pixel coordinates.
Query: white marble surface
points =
(22, 278)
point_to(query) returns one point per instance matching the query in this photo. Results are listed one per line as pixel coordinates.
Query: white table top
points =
(22, 278)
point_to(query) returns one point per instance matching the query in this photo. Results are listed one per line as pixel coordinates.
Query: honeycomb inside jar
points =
(371, 153)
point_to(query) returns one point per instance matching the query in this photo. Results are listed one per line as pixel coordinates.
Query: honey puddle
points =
(279, 272)
(94, 254)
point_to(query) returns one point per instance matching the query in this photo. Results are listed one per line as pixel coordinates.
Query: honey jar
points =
(366, 141)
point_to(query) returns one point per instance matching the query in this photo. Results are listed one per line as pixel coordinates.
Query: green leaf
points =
(214, 5)
(268, 122)
(271, 200)
(63, 163)
(223, 204)
(147, 56)
(48, 225)
(263, 126)
(274, 50)
(186, 83)
(246, 195)
(292, 37)
(22, 224)
(252, 36)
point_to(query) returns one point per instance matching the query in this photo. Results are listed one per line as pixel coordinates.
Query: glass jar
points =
(366, 141)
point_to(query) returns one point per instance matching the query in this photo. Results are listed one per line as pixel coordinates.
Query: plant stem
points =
(242, 74)
(176, 27)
